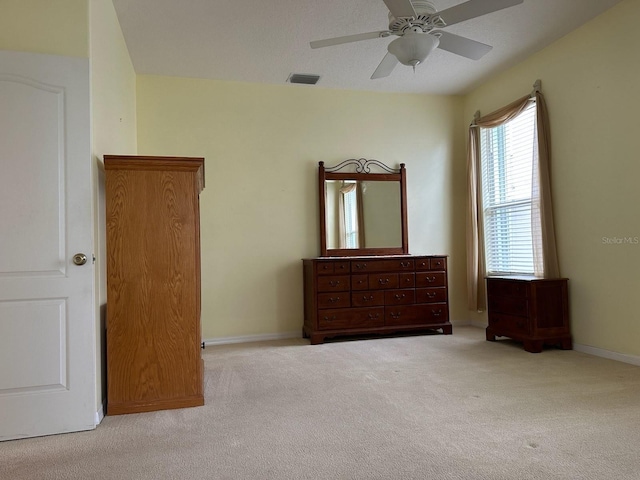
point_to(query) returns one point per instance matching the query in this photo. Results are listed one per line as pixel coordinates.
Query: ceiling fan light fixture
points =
(413, 48)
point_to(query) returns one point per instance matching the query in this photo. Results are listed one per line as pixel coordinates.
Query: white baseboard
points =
(99, 416)
(477, 324)
(599, 352)
(251, 338)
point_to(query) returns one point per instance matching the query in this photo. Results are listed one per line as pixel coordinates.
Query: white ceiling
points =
(266, 41)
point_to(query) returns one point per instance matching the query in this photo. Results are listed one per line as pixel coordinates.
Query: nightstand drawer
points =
(507, 288)
(504, 324)
(508, 305)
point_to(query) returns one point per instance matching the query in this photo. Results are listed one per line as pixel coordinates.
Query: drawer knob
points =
(431, 279)
(400, 297)
(436, 313)
(330, 319)
(334, 283)
(431, 294)
(395, 315)
(373, 316)
(360, 266)
(367, 299)
(405, 264)
(383, 281)
(334, 300)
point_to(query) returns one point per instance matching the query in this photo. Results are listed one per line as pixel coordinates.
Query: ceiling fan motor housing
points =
(425, 20)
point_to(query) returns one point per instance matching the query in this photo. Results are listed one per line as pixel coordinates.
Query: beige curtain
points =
(344, 190)
(545, 255)
(360, 207)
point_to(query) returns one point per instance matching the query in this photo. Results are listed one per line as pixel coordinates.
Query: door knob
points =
(79, 259)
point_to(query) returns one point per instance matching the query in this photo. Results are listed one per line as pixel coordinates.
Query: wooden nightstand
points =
(531, 310)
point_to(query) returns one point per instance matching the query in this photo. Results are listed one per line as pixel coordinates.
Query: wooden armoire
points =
(153, 283)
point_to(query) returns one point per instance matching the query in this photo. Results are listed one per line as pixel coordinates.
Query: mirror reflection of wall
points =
(363, 214)
(383, 226)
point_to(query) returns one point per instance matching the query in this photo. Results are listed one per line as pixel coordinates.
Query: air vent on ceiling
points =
(303, 78)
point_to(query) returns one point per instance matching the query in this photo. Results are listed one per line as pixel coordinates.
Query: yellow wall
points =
(113, 117)
(259, 209)
(590, 79)
(57, 27)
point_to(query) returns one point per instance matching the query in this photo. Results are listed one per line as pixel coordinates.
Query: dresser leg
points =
(532, 346)
(490, 335)
(316, 339)
(447, 330)
(565, 344)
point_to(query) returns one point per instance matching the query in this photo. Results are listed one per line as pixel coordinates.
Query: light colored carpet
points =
(423, 407)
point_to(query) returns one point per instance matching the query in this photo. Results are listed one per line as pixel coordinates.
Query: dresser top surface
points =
(372, 257)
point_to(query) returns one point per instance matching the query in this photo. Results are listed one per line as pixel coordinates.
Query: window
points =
(507, 155)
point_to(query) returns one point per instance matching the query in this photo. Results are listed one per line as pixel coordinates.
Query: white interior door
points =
(47, 328)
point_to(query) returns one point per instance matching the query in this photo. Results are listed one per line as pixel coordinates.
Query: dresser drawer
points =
(332, 267)
(508, 305)
(333, 283)
(505, 324)
(416, 314)
(379, 281)
(333, 300)
(434, 263)
(396, 265)
(434, 313)
(406, 280)
(431, 295)
(438, 263)
(360, 282)
(401, 315)
(351, 318)
(399, 297)
(431, 279)
(367, 298)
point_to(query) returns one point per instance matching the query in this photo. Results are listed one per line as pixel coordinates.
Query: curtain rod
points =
(537, 85)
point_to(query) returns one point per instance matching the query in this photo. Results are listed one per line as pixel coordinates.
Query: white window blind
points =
(507, 154)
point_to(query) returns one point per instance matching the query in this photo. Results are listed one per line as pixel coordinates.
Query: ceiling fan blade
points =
(461, 45)
(348, 39)
(400, 8)
(474, 8)
(386, 66)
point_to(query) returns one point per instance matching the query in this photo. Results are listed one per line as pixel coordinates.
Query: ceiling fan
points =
(414, 22)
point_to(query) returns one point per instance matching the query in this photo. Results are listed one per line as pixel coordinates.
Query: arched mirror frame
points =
(362, 172)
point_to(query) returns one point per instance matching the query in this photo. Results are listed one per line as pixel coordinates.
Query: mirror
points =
(362, 212)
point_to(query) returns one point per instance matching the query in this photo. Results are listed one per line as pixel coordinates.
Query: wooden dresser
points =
(374, 295)
(153, 283)
(531, 310)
